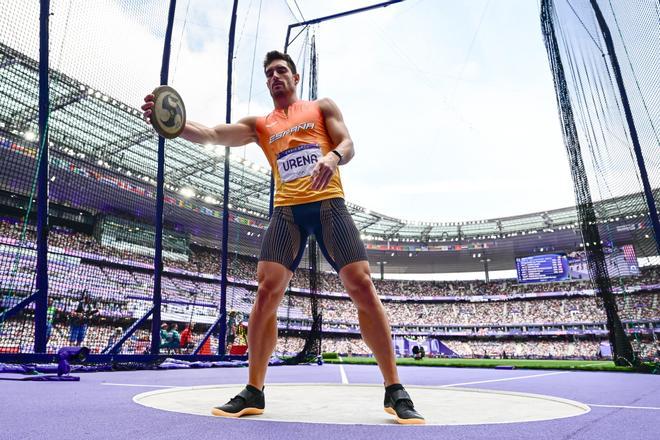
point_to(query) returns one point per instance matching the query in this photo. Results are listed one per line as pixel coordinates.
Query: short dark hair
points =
(277, 55)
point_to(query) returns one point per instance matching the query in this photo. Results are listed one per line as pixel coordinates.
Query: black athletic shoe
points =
(250, 401)
(400, 405)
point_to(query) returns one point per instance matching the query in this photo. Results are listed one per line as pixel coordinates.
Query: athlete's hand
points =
(147, 106)
(323, 171)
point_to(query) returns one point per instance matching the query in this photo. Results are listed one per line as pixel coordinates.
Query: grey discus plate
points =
(169, 112)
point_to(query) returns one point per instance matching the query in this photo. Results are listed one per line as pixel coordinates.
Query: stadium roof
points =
(89, 125)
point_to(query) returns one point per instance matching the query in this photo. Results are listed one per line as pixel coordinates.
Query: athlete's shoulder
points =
(328, 107)
(250, 121)
(308, 108)
(261, 122)
(325, 101)
(305, 104)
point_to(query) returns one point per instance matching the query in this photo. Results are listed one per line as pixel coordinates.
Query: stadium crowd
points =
(499, 349)
(537, 311)
(120, 293)
(207, 261)
(16, 336)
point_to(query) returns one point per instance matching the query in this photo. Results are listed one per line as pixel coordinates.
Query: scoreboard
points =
(542, 268)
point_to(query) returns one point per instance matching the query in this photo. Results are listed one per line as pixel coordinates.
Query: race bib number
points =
(298, 162)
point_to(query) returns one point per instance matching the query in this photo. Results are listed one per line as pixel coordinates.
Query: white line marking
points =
(624, 406)
(342, 372)
(344, 378)
(137, 385)
(505, 379)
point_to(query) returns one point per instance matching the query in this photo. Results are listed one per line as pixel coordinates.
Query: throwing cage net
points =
(106, 287)
(604, 58)
(99, 216)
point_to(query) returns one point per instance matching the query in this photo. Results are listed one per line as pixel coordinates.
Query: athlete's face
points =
(280, 80)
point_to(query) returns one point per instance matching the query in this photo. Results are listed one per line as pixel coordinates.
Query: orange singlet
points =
(293, 144)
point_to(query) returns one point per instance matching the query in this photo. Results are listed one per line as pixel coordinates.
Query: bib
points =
(298, 162)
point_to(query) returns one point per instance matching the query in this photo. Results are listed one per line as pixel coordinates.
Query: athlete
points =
(305, 143)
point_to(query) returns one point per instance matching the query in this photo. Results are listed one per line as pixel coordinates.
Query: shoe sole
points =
(401, 421)
(241, 413)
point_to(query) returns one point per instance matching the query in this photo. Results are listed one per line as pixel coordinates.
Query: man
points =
(79, 319)
(186, 342)
(175, 338)
(165, 336)
(232, 328)
(51, 313)
(304, 142)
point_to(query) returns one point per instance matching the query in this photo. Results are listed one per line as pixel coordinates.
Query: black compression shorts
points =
(329, 220)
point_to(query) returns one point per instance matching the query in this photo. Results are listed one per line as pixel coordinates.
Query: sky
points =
(450, 104)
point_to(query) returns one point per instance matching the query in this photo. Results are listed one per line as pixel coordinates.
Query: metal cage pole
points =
(225, 198)
(332, 17)
(41, 300)
(160, 194)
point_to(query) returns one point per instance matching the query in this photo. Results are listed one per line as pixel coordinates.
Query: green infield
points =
(492, 363)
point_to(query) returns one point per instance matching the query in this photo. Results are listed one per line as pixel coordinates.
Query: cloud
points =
(490, 147)
(438, 135)
(462, 186)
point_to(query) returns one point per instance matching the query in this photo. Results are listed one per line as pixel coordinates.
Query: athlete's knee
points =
(360, 287)
(271, 286)
(268, 285)
(268, 294)
(359, 283)
(356, 276)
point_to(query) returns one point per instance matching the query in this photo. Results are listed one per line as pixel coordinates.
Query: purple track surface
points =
(94, 409)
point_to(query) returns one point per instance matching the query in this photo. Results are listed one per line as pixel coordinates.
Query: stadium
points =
(147, 256)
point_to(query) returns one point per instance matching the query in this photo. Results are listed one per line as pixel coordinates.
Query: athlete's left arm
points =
(334, 124)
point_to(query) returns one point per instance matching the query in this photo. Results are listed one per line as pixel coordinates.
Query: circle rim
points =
(580, 405)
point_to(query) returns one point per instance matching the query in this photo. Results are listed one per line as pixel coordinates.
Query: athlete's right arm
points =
(232, 135)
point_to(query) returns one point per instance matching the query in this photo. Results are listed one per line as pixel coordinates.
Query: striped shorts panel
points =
(284, 241)
(331, 223)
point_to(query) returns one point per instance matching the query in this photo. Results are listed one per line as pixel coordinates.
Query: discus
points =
(168, 114)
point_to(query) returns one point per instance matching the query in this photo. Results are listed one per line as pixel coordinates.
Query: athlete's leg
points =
(262, 329)
(374, 324)
(281, 250)
(339, 240)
